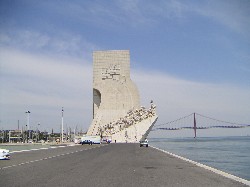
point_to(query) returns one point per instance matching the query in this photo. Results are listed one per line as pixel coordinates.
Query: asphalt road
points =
(105, 165)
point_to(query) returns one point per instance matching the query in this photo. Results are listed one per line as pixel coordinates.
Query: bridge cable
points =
(174, 120)
(221, 120)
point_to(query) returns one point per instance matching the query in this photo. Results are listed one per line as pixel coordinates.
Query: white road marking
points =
(16, 151)
(45, 148)
(230, 176)
(29, 162)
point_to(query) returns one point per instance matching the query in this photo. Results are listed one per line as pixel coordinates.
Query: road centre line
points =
(46, 158)
(43, 148)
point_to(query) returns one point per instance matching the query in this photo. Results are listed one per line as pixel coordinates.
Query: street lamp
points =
(28, 119)
(62, 125)
(28, 123)
(37, 133)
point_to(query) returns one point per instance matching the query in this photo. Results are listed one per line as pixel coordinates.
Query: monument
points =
(117, 113)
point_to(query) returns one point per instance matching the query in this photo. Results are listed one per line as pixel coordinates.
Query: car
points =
(87, 142)
(4, 154)
(144, 143)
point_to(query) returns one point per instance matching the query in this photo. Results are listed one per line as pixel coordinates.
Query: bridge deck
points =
(107, 165)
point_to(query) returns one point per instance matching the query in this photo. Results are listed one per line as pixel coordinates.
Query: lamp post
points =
(37, 133)
(62, 125)
(9, 135)
(28, 124)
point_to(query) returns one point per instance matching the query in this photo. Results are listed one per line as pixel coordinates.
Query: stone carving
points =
(133, 117)
(112, 72)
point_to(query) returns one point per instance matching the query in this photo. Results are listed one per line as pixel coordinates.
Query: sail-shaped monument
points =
(117, 112)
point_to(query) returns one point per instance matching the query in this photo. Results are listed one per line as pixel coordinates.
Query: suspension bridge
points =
(196, 122)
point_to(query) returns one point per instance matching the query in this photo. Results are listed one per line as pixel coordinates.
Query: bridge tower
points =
(195, 126)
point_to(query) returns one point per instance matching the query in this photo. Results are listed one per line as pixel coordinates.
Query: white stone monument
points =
(117, 113)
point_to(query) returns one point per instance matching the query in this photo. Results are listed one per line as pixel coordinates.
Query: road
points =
(110, 165)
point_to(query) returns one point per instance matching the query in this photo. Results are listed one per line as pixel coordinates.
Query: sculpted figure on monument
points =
(133, 117)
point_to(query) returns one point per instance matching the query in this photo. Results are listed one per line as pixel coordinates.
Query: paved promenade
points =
(105, 165)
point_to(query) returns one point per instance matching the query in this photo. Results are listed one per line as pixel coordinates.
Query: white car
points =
(4, 154)
(144, 142)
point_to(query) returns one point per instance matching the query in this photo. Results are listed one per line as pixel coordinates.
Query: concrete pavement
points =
(105, 165)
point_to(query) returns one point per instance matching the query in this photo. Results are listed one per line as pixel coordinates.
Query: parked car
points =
(144, 143)
(4, 154)
(87, 142)
(93, 139)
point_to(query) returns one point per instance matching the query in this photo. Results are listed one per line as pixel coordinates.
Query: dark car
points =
(87, 142)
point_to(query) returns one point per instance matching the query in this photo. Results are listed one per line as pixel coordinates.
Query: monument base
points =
(136, 132)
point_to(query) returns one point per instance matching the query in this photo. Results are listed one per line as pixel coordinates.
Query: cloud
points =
(136, 14)
(132, 13)
(232, 14)
(43, 71)
(44, 84)
(176, 97)
(64, 44)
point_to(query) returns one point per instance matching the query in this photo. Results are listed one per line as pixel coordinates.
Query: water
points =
(229, 154)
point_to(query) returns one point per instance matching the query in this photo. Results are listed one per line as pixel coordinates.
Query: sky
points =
(187, 56)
